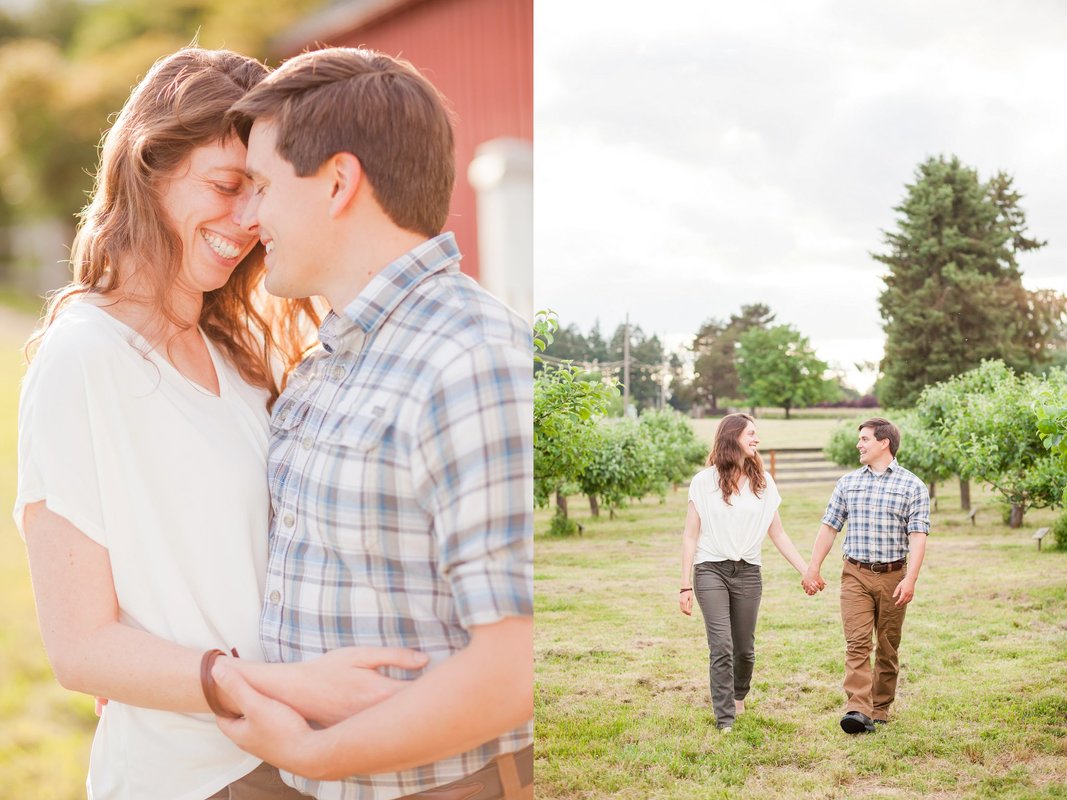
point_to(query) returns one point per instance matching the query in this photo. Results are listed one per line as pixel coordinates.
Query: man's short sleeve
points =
(919, 510)
(837, 509)
(56, 442)
(475, 445)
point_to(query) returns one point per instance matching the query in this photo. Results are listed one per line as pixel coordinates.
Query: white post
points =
(502, 175)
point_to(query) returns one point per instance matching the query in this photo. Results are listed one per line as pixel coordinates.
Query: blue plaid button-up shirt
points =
(401, 479)
(881, 510)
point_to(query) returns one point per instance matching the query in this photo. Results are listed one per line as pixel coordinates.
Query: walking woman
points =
(733, 505)
(143, 429)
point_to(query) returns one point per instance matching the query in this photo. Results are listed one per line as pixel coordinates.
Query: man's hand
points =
(343, 682)
(812, 581)
(685, 602)
(334, 686)
(267, 729)
(904, 592)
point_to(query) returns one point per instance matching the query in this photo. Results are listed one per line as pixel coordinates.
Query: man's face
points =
(869, 447)
(290, 214)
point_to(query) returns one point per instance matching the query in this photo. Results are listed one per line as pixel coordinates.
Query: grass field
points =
(45, 731)
(622, 704)
(774, 432)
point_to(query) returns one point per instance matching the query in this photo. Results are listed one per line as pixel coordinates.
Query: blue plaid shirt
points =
(401, 479)
(881, 510)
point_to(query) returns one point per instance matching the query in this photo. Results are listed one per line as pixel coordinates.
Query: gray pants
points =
(729, 593)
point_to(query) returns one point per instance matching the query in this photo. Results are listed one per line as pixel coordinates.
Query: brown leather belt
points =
(506, 777)
(879, 566)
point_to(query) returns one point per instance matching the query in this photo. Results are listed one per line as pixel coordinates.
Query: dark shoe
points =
(856, 722)
(881, 722)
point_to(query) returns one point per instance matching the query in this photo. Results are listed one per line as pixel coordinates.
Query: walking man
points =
(400, 462)
(887, 509)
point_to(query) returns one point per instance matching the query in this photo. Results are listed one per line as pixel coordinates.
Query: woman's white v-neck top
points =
(171, 479)
(733, 532)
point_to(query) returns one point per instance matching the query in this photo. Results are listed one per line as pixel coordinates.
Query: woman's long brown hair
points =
(178, 106)
(731, 462)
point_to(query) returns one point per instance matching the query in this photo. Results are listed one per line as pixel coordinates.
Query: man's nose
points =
(246, 211)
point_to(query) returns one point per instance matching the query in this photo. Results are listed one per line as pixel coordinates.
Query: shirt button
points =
(338, 372)
(288, 520)
(306, 442)
(275, 597)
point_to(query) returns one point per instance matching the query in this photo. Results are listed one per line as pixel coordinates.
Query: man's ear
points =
(345, 173)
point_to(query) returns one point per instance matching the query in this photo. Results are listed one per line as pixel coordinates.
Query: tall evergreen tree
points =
(954, 292)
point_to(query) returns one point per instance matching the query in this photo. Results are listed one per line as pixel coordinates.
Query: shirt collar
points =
(387, 290)
(892, 466)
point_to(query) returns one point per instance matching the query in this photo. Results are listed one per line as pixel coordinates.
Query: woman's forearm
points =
(131, 666)
(785, 545)
(690, 536)
(89, 649)
(789, 551)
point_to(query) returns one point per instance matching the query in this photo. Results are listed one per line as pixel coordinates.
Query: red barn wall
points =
(479, 54)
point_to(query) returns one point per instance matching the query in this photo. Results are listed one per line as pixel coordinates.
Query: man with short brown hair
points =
(888, 513)
(401, 460)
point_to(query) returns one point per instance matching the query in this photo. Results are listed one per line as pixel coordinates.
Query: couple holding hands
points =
(733, 505)
(200, 479)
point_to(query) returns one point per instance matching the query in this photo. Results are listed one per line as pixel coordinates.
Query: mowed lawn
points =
(774, 432)
(45, 731)
(622, 703)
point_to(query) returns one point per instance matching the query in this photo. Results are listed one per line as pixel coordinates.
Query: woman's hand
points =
(685, 602)
(337, 684)
(266, 728)
(812, 581)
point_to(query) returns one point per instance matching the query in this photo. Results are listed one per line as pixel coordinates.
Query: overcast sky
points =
(697, 155)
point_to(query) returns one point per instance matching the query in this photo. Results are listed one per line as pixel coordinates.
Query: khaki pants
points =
(867, 606)
(262, 783)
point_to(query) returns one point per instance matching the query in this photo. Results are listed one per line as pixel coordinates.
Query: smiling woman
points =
(142, 443)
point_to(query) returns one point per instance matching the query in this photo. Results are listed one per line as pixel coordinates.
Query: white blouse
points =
(732, 532)
(172, 481)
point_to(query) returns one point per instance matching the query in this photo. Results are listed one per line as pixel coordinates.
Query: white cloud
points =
(725, 154)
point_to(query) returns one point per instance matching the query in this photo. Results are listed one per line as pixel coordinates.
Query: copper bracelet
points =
(210, 688)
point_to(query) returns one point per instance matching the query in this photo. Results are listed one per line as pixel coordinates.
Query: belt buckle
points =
(879, 567)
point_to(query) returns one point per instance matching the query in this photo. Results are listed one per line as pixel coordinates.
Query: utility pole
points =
(665, 377)
(626, 367)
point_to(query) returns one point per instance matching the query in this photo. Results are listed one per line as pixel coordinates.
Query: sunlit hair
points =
(179, 105)
(379, 109)
(731, 461)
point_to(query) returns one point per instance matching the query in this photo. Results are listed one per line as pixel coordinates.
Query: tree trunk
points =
(787, 412)
(965, 494)
(1016, 519)
(932, 487)
(561, 504)
(594, 506)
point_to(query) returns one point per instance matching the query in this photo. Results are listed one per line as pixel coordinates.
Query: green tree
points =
(994, 435)
(954, 293)
(565, 413)
(678, 450)
(567, 344)
(715, 347)
(682, 395)
(622, 466)
(1051, 411)
(777, 367)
